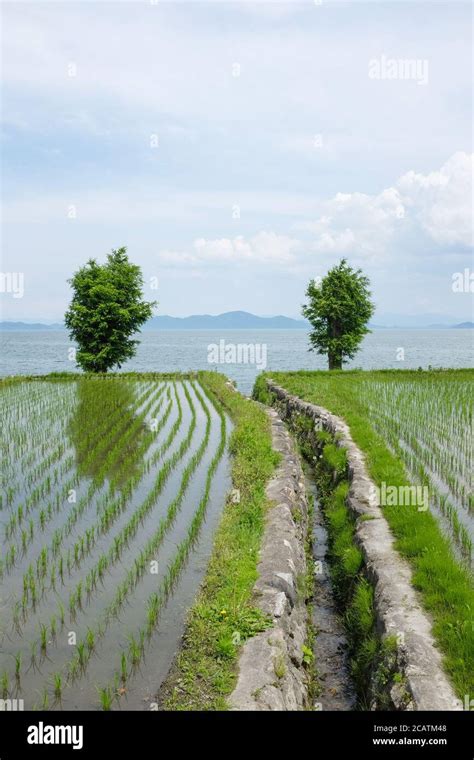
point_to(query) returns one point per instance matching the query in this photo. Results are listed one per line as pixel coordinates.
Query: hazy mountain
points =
(230, 320)
(241, 320)
(414, 320)
(12, 326)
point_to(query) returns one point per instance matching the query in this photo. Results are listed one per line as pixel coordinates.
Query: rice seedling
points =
(58, 685)
(4, 684)
(43, 637)
(90, 640)
(45, 700)
(79, 594)
(16, 616)
(18, 660)
(123, 667)
(106, 697)
(134, 651)
(52, 577)
(81, 654)
(33, 658)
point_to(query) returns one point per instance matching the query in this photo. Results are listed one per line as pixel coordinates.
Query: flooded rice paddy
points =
(112, 489)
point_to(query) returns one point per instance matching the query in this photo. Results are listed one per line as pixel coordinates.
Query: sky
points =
(238, 149)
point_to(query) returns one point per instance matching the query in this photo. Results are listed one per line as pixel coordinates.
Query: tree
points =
(338, 309)
(106, 311)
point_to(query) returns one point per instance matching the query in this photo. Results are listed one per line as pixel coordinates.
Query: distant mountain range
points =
(12, 326)
(230, 320)
(241, 320)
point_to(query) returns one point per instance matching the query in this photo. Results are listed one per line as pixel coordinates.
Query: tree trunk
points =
(335, 362)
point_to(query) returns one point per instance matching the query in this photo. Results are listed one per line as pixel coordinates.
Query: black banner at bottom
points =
(379, 734)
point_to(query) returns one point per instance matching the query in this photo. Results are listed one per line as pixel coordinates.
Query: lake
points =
(39, 352)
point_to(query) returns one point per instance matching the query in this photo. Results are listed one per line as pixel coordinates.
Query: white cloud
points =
(368, 227)
(356, 223)
(263, 248)
(438, 204)
(442, 200)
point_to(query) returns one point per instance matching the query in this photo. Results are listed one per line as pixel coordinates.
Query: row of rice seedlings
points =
(47, 514)
(113, 450)
(104, 401)
(78, 509)
(78, 663)
(157, 454)
(443, 404)
(39, 470)
(31, 583)
(429, 425)
(459, 533)
(18, 395)
(435, 415)
(109, 438)
(31, 591)
(40, 435)
(157, 599)
(25, 431)
(102, 425)
(149, 550)
(37, 419)
(437, 456)
(81, 657)
(17, 517)
(122, 539)
(86, 542)
(134, 449)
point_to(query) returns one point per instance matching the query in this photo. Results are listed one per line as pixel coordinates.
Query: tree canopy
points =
(338, 309)
(106, 311)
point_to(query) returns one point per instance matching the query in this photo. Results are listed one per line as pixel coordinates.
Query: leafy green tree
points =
(106, 311)
(338, 309)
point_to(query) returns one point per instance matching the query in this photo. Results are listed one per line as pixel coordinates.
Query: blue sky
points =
(238, 149)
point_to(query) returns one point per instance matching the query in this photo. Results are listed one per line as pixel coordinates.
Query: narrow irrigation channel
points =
(334, 689)
(394, 663)
(113, 491)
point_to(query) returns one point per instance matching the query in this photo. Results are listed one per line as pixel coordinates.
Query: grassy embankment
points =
(223, 615)
(444, 582)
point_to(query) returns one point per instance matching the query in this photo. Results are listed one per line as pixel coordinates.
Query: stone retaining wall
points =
(271, 671)
(398, 609)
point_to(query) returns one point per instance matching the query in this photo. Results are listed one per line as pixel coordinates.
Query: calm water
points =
(38, 352)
